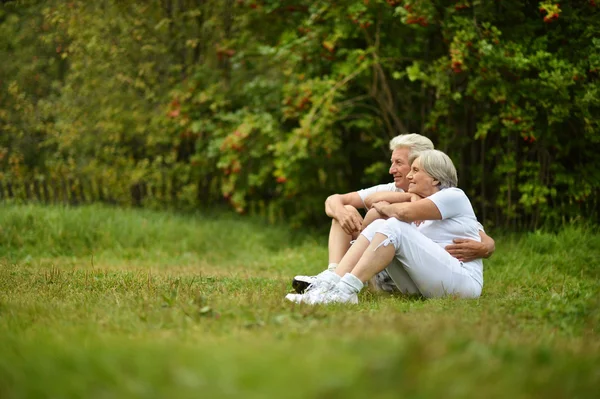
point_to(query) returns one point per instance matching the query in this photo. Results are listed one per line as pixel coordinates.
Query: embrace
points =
(419, 236)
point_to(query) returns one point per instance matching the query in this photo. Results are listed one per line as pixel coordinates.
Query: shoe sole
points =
(300, 286)
(296, 298)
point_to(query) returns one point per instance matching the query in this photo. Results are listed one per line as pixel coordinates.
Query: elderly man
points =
(347, 222)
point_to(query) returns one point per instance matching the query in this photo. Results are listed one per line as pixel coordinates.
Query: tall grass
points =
(108, 235)
(100, 302)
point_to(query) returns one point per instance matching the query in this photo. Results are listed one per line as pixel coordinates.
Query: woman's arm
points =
(388, 196)
(424, 209)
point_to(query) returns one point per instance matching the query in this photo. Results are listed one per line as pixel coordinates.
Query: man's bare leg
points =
(339, 241)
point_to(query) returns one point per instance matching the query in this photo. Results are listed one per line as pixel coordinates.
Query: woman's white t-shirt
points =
(458, 221)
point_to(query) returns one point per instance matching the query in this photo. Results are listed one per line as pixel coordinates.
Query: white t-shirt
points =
(458, 221)
(376, 189)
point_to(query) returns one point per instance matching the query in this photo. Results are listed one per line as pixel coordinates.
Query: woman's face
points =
(419, 181)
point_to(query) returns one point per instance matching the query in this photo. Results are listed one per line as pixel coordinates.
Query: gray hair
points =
(415, 142)
(439, 166)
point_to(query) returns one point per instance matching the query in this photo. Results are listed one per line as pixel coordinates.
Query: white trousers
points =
(421, 265)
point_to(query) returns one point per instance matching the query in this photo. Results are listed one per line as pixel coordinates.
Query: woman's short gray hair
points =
(414, 141)
(439, 166)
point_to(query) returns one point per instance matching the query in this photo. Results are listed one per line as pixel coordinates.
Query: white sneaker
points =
(324, 293)
(334, 295)
(315, 289)
(301, 283)
(296, 298)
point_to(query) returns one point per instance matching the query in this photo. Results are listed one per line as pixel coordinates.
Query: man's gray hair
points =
(439, 166)
(414, 141)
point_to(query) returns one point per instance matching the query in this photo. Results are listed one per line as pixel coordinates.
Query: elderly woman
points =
(414, 256)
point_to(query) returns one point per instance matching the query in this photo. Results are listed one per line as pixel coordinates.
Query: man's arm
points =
(336, 207)
(468, 250)
(489, 243)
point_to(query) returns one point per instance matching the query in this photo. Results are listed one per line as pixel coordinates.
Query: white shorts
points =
(421, 265)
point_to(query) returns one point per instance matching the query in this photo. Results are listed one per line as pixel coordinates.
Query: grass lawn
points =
(103, 303)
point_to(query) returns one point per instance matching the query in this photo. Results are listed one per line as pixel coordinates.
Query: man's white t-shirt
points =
(364, 193)
(458, 221)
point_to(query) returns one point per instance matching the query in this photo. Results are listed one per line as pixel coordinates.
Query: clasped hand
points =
(350, 220)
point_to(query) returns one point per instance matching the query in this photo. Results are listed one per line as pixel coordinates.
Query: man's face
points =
(400, 167)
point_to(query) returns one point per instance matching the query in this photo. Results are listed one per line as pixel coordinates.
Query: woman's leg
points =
(398, 275)
(433, 270)
(357, 249)
(374, 259)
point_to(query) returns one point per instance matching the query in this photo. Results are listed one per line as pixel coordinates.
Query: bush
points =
(271, 106)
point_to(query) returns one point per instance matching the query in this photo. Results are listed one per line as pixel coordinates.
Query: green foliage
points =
(270, 106)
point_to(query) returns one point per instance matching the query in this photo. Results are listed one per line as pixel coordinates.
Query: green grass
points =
(101, 303)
